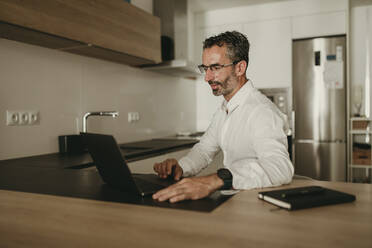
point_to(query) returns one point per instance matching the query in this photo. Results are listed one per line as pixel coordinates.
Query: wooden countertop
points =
(36, 220)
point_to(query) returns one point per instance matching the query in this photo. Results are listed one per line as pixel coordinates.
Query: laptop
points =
(113, 169)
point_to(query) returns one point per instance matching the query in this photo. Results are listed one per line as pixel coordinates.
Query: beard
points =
(221, 87)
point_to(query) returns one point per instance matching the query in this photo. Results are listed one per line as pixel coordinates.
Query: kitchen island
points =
(39, 220)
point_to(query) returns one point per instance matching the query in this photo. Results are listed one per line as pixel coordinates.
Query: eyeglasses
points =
(214, 67)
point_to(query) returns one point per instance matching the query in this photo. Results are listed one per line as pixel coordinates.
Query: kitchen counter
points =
(39, 220)
(76, 175)
(43, 205)
(133, 151)
(87, 184)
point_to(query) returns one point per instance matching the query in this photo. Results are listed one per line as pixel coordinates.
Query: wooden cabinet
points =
(108, 29)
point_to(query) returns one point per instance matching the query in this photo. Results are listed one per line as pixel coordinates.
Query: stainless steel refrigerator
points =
(319, 104)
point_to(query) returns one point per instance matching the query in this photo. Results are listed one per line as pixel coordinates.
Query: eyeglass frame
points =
(204, 68)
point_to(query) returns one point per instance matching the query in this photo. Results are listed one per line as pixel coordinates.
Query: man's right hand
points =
(164, 169)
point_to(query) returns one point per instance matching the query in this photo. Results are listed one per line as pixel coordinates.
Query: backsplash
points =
(63, 86)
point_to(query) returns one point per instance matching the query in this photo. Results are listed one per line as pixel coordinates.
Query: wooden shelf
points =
(360, 119)
(360, 166)
(108, 29)
(360, 132)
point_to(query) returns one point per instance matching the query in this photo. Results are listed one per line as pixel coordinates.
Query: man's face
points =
(223, 81)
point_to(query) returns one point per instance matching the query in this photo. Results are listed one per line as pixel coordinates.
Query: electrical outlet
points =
(22, 118)
(33, 118)
(136, 116)
(133, 117)
(12, 118)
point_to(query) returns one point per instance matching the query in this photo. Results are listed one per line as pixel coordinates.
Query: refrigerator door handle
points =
(293, 124)
(312, 141)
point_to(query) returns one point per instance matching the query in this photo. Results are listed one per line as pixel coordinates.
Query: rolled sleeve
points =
(202, 153)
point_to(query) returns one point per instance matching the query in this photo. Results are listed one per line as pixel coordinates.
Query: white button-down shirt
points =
(251, 132)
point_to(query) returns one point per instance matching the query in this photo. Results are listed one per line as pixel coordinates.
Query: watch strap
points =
(226, 176)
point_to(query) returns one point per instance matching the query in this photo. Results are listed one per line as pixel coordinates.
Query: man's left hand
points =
(190, 188)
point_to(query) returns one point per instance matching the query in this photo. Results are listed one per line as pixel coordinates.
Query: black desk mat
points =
(89, 185)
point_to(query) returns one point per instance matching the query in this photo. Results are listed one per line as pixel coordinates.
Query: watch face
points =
(224, 174)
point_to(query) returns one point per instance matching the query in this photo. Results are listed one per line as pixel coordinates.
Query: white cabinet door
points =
(317, 25)
(270, 53)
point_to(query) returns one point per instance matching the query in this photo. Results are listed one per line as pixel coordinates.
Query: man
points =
(248, 128)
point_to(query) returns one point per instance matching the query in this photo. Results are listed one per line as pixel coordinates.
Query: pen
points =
(309, 191)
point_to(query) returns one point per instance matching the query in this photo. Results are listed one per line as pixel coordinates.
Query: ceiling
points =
(205, 5)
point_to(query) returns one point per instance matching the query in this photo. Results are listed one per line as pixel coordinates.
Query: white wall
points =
(64, 86)
(270, 27)
(360, 30)
(146, 5)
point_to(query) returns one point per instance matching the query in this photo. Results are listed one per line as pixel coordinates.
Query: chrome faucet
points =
(102, 113)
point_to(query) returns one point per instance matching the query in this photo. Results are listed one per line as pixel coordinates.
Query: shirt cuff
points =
(185, 164)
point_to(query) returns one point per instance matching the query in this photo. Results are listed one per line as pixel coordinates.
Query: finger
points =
(178, 173)
(160, 193)
(185, 194)
(156, 167)
(170, 165)
(171, 194)
(163, 192)
(178, 198)
(163, 169)
(160, 196)
(167, 193)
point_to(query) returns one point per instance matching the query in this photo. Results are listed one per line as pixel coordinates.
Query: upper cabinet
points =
(317, 25)
(107, 29)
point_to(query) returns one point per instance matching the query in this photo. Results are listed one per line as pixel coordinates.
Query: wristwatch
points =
(226, 177)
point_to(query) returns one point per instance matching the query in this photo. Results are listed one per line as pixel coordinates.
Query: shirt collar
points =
(238, 98)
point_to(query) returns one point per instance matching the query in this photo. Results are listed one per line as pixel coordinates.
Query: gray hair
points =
(236, 43)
